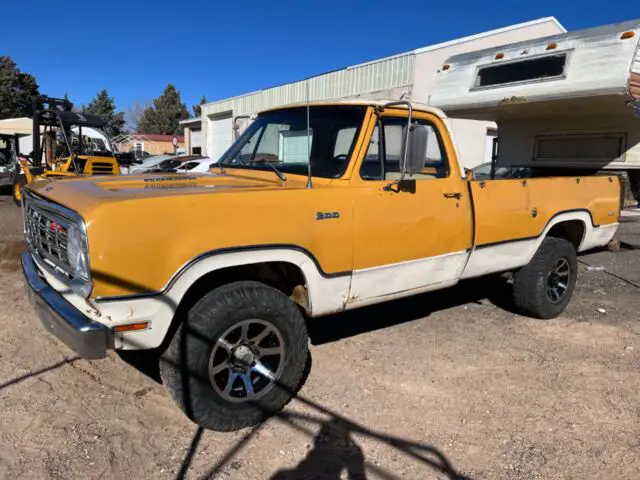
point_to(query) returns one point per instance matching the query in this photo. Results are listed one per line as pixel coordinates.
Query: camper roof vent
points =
(548, 67)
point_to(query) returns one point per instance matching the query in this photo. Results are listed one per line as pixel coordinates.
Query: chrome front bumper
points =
(88, 338)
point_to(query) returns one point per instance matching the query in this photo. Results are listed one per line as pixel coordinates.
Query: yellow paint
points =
(142, 232)
(505, 208)
(392, 227)
(93, 166)
(17, 191)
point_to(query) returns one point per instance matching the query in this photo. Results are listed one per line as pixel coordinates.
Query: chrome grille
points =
(46, 235)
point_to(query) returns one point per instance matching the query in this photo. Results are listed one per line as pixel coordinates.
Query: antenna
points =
(309, 184)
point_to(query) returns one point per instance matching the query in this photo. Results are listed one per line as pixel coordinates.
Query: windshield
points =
(170, 163)
(189, 165)
(154, 160)
(280, 138)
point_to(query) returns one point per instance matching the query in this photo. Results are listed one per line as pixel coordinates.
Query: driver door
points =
(417, 236)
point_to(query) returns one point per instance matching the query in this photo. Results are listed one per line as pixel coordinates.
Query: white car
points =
(147, 163)
(197, 166)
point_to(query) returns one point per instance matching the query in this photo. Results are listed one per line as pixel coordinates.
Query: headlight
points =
(77, 257)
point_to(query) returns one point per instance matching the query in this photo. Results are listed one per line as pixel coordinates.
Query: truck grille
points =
(46, 235)
(101, 168)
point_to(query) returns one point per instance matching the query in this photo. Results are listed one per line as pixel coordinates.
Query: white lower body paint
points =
(372, 285)
(327, 294)
(511, 255)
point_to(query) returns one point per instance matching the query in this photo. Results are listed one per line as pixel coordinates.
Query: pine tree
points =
(17, 90)
(104, 106)
(197, 110)
(165, 113)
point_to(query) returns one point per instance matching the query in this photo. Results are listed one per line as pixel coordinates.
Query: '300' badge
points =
(327, 215)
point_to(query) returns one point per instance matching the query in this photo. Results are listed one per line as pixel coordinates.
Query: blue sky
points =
(221, 49)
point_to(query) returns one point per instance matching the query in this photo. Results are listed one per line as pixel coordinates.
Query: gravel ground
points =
(435, 386)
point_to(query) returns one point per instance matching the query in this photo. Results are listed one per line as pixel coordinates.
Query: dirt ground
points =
(436, 386)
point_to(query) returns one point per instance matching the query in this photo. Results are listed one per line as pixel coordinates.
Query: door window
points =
(382, 161)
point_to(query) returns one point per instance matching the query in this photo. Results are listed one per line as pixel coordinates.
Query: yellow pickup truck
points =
(315, 209)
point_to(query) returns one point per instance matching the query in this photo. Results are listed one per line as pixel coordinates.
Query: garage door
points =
(196, 138)
(220, 135)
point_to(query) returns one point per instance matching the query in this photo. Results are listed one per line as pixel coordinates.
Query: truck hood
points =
(85, 194)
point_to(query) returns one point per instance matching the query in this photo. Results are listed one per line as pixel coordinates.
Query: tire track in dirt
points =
(10, 255)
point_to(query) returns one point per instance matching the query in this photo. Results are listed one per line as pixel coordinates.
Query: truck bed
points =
(512, 216)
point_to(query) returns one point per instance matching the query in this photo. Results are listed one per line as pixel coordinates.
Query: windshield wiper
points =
(280, 175)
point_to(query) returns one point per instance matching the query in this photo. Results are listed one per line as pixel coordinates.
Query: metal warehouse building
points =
(411, 74)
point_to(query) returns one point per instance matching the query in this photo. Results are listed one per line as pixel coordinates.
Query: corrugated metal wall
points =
(382, 74)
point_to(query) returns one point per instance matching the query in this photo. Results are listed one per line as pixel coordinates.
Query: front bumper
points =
(88, 338)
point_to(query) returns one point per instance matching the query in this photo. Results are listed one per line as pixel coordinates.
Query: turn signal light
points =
(499, 56)
(446, 66)
(131, 327)
(626, 35)
(552, 46)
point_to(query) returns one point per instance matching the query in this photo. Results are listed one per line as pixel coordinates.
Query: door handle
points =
(456, 195)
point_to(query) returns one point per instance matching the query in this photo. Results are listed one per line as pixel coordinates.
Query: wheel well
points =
(283, 276)
(572, 231)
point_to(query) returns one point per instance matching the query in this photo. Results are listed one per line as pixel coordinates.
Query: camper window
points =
(582, 147)
(536, 69)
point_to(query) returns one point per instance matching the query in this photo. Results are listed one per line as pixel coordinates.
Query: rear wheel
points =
(237, 358)
(543, 288)
(19, 181)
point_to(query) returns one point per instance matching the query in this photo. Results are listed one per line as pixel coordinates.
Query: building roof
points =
(156, 137)
(191, 121)
(11, 126)
(404, 54)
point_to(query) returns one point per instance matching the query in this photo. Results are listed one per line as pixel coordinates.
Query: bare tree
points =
(134, 112)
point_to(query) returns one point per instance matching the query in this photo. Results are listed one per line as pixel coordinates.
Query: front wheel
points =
(19, 181)
(237, 358)
(543, 288)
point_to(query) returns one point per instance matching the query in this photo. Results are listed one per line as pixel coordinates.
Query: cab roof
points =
(363, 101)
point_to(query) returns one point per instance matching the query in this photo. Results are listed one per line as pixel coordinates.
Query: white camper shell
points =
(569, 100)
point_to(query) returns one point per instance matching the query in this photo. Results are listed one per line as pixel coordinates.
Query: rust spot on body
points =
(513, 100)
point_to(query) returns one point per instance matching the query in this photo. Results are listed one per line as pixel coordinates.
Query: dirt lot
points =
(431, 387)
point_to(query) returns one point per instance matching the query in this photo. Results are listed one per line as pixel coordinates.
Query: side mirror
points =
(415, 157)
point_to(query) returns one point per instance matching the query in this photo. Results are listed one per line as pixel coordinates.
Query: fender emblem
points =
(327, 215)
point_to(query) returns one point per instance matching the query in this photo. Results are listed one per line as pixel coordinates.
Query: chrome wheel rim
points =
(558, 282)
(246, 360)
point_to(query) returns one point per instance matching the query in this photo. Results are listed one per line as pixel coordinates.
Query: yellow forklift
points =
(65, 144)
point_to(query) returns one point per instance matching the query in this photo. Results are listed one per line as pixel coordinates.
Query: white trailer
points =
(568, 101)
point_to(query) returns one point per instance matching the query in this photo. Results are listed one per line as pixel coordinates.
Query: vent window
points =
(537, 69)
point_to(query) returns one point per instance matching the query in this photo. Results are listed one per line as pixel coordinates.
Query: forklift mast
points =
(43, 113)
